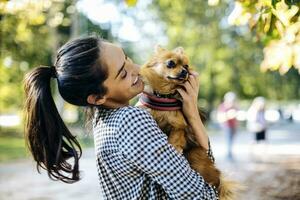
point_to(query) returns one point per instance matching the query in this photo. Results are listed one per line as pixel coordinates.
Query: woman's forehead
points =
(112, 56)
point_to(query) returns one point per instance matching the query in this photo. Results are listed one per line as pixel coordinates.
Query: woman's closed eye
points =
(124, 74)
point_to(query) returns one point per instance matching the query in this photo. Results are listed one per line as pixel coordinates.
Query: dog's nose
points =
(183, 73)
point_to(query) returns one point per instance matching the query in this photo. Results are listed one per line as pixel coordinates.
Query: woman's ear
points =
(95, 100)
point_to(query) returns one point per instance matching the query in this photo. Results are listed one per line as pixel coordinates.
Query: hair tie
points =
(53, 72)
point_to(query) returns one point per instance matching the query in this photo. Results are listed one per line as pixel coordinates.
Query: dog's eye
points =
(171, 64)
(186, 66)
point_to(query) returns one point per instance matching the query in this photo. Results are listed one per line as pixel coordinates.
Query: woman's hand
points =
(189, 94)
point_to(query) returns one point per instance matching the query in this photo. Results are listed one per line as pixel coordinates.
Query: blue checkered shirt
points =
(135, 160)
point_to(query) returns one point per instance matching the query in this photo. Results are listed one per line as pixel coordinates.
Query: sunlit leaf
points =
(276, 25)
(239, 16)
(266, 17)
(296, 61)
(213, 2)
(284, 13)
(37, 19)
(23, 33)
(278, 55)
(131, 2)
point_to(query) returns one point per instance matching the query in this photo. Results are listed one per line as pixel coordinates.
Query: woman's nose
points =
(137, 68)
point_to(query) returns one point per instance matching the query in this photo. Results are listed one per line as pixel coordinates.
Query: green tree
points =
(227, 57)
(30, 34)
(30, 31)
(276, 24)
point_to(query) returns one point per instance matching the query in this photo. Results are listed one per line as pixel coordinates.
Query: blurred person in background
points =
(227, 111)
(256, 121)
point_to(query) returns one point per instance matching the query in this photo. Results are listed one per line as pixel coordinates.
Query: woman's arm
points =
(144, 145)
(199, 130)
(189, 94)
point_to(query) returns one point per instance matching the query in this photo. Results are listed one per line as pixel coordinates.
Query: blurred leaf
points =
(284, 13)
(213, 2)
(131, 2)
(274, 25)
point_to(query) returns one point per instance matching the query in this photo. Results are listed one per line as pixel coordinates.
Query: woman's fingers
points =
(191, 86)
(193, 72)
(194, 79)
(182, 93)
(193, 82)
(188, 86)
(187, 96)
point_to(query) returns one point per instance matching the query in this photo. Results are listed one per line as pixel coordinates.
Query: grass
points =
(13, 148)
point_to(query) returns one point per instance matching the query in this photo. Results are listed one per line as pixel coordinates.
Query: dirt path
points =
(20, 181)
(271, 172)
(269, 179)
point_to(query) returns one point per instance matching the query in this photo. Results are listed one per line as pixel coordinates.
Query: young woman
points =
(134, 159)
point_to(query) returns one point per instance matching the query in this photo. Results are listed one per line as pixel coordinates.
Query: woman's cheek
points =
(128, 82)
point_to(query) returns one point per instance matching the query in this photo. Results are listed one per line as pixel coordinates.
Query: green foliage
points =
(29, 30)
(276, 24)
(227, 57)
(12, 148)
(30, 34)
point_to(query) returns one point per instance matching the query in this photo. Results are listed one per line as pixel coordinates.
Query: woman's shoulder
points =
(135, 114)
(126, 112)
(134, 110)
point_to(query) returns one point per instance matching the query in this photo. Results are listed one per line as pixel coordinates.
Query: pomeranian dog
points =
(162, 75)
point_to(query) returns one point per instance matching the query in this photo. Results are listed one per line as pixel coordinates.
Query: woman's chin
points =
(140, 86)
(141, 89)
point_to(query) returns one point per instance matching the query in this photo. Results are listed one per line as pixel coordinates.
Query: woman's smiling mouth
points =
(135, 81)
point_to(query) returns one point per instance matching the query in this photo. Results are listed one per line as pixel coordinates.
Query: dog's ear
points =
(179, 50)
(158, 49)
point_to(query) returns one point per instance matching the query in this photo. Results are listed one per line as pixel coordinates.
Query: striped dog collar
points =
(159, 103)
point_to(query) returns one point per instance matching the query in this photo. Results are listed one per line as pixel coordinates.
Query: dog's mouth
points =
(180, 78)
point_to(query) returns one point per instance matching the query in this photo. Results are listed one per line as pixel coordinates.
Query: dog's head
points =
(167, 68)
(173, 65)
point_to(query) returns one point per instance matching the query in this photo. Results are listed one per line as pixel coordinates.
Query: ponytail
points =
(47, 137)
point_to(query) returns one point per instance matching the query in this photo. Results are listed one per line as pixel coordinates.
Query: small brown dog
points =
(162, 74)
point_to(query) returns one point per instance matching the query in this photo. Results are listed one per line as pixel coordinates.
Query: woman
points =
(256, 121)
(134, 159)
(257, 125)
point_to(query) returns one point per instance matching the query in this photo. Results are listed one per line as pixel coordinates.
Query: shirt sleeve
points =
(146, 147)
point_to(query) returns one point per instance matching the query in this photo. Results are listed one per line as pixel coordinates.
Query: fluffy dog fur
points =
(158, 76)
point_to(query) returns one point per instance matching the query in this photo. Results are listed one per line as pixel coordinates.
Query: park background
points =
(250, 47)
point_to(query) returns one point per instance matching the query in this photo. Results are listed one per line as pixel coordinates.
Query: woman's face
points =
(123, 82)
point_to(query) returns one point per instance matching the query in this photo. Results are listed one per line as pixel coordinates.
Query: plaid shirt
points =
(135, 160)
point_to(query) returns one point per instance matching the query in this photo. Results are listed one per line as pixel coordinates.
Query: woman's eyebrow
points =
(124, 54)
(122, 65)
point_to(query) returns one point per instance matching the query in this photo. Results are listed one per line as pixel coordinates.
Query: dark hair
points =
(79, 73)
